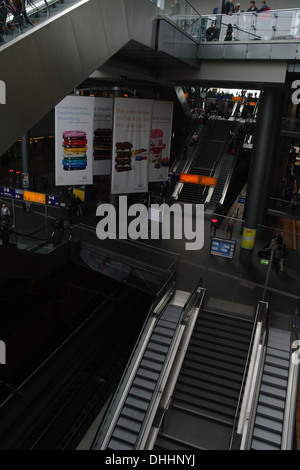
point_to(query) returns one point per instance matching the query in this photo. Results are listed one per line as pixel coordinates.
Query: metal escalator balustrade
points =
(132, 421)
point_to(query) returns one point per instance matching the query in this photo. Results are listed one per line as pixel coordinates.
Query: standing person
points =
(78, 206)
(59, 230)
(229, 33)
(252, 7)
(264, 7)
(211, 32)
(175, 8)
(237, 8)
(229, 7)
(5, 213)
(231, 141)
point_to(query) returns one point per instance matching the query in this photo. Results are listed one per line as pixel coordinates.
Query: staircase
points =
(271, 403)
(205, 398)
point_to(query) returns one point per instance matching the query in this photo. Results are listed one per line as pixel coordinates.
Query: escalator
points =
(206, 160)
(202, 410)
(268, 426)
(135, 405)
(35, 255)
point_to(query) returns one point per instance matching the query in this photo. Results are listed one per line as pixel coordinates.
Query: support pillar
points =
(25, 160)
(259, 171)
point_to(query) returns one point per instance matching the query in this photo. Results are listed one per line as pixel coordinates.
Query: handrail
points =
(249, 380)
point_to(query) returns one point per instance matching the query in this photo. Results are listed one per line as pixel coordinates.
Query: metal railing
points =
(252, 372)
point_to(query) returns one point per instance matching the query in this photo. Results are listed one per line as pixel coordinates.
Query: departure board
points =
(222, 247)
(38, 198)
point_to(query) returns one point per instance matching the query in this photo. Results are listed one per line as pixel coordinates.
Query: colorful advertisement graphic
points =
(102, 142)
(130, 149)
(160, 141)
(74, 141)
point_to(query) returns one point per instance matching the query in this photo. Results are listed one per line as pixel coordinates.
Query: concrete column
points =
(259, 171)
(25, 160)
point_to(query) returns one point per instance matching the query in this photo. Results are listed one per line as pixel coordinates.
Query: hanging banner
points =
(130, 150)
(102, 142)
(160, 141)
(74, 118)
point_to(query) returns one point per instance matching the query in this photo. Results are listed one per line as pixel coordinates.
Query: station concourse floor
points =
(231, 286)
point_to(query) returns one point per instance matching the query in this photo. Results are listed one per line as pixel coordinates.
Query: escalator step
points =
(256, 444)
(281, 373)
(274, 381)
(273, 391)
(205, 406)
(269, 424)
(267, 412)
(271, 402)
(221, 356)
(267, 436)
(202, 377)
(116, 444)
(276, 362)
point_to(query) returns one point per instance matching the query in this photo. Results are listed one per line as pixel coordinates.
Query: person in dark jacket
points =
(264, 7)
(212, 33)
(229, 7)
(229, 33)
(252, 7)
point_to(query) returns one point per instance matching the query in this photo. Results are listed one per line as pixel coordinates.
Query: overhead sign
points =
(52, 200)
(222, 247)
(198, 179)
(34, 197)
(29, 196)
(7, 192)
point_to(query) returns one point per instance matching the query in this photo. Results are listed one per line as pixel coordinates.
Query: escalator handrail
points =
(260, 326)
(288, 429)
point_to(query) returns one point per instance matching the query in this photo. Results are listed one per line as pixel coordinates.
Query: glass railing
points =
(274, 24)
(15, 21)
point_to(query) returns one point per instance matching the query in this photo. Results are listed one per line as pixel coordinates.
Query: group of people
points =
(279, 252)
(74, 207)
(230, 8)
(213, 32)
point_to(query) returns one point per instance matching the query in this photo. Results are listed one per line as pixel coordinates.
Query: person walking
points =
(5, 213)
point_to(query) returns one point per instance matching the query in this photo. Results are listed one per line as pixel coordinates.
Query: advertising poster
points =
(160, 140)
(130, 149)
(102, 140)
(74, 117)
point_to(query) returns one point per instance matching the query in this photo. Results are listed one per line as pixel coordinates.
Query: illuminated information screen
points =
(223, 247)
(34, 197)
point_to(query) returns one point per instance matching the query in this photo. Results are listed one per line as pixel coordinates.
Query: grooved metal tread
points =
(267, 432)
(140, 394)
